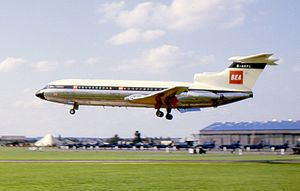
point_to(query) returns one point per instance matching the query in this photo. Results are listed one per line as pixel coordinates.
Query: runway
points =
(149, 161)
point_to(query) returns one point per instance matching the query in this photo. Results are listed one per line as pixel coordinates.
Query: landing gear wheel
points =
(72, 111)
(169, 116)
(159, 113)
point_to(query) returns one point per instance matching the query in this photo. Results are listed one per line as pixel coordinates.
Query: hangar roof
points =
(254, 126)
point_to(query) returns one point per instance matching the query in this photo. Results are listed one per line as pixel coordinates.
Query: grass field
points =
(144, 176)
(7, 153)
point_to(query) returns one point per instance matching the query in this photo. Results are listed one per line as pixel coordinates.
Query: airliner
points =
(209, 89)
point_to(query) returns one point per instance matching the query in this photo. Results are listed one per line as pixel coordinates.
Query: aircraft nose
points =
(40, 94)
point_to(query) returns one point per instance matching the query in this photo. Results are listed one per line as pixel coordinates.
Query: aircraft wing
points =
(164, 97)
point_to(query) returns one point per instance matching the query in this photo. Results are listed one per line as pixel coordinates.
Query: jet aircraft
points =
(209, 89)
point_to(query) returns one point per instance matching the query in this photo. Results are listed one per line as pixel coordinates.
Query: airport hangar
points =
(270, 132)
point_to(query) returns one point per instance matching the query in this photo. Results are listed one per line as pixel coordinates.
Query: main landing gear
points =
(159, 113)
(73, 110)
(169, 116)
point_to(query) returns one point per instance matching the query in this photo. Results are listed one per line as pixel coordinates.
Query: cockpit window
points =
(49, 87)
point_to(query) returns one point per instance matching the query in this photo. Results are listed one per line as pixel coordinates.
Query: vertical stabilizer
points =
(241, 75)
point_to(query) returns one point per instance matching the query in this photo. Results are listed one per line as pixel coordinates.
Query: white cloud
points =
(10, 63)
(144, 15)
(135, 35)
(154, 60)
(161, 59)
(110, 10)
(179, 15)
(43, 66)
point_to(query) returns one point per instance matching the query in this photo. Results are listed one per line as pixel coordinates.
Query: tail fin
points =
(241, 75)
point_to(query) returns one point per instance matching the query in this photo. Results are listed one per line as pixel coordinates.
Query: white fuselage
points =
(114, 93)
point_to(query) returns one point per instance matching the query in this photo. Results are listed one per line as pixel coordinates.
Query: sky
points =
(43, 41)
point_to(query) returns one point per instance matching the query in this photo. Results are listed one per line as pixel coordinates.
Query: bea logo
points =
(236, 77)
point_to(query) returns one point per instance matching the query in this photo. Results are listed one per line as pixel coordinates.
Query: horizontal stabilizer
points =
(257, 58)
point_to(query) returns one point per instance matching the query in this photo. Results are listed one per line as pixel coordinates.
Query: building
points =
(13, 140)
(271, 132)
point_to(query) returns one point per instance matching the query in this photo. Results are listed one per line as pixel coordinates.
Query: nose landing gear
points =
(73, 110)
